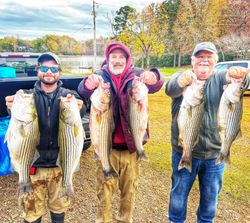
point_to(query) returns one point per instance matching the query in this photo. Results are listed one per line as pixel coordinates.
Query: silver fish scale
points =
(101, 127)
(138, 118)
(189, 121)
(22, 137)
(102, 122)
(27, 151)
(229, 118)
(71, 144)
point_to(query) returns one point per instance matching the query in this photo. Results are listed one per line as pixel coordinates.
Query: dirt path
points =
(151, 201)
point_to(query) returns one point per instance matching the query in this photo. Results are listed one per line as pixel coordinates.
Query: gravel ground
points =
(151, 201)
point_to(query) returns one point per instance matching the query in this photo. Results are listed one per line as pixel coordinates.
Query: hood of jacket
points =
(118, 45)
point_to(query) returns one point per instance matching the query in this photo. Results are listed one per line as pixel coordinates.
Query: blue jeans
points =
(210, 181)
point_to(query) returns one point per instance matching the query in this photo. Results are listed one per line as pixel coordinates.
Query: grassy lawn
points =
(166, 71)
(169, 71)
(236, 186)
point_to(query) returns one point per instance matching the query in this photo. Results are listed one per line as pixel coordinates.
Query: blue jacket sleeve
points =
(172, 88)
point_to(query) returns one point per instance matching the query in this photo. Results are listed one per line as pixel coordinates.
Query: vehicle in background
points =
(227, 64)
(18, 71)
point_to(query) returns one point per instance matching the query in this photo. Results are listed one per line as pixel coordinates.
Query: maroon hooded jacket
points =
(120, 96)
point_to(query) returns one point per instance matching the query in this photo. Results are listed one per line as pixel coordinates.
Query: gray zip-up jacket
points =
(209, 144)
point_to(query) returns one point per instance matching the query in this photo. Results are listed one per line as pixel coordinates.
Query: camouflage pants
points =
(46, 185)
(127, 167)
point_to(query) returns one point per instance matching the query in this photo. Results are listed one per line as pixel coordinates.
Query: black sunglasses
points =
(45, 69)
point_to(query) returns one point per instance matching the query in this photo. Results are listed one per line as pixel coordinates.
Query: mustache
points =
(118, 64)
(204, 63)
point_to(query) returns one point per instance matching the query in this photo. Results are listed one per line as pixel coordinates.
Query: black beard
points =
(49, 83)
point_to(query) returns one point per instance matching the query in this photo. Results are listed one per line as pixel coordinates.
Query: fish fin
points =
(190, 113)
(180, 141)
(140, 106)
(185, 164)
(142, 155)
(230, 106)
(223, 158)
(76, 130)
(224, 87)
(22, 131)
(67, 190)
(6, 138)
(77, 168)
(24, 188)
(239, 135)
(98, 118)
(220, 128)
(110, 173)
(58, 161)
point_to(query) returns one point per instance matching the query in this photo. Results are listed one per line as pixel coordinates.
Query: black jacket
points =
(48, 119)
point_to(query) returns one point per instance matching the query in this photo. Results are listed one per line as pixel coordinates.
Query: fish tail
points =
(223, 158)
(24, 188)
(142, 155)
(66, 191)
(185, 163)
(110, 173)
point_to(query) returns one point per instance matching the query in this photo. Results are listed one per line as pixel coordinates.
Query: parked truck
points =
(17, 71)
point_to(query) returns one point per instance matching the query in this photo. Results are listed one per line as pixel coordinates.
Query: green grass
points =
(169, 71)
(236, 183)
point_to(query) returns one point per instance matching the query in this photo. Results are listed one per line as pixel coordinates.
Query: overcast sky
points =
(30, 19)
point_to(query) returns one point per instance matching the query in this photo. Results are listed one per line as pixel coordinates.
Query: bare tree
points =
(238, 44)
(239, 16)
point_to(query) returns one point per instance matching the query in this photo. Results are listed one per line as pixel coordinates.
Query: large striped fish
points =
(189, 121)
(101, 126)
(71, 139)
(229, 118)
(22, 137)
(138, 115)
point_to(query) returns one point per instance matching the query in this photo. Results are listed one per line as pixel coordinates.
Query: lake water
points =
(80, 64)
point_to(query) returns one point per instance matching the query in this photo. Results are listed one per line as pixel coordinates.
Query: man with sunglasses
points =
(46, 176)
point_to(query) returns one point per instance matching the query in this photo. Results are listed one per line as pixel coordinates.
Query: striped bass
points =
(22, 137)
(189, 121)
(138, 115)
(101, 126)
(229, 118)
(71, 139)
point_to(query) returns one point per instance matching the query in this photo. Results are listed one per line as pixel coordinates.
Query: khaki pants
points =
(46, 184)
(127, 167)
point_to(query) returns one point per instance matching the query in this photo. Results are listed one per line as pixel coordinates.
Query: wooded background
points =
(162, 34)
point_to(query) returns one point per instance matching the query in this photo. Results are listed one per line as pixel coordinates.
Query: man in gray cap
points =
(207, 149)
(45, 174)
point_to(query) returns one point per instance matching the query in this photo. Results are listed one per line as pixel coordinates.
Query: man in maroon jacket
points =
(119, 72)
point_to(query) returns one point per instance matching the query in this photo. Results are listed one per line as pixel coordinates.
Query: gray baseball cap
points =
(207, 46)
(48, 56)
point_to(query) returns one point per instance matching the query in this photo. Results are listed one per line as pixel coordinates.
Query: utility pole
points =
(94, 41)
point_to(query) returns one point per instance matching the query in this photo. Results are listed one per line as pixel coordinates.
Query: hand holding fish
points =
(185, 78)
(9, 101)
(148, 77)
(79, 102)
(237, 72)
(92, 82)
